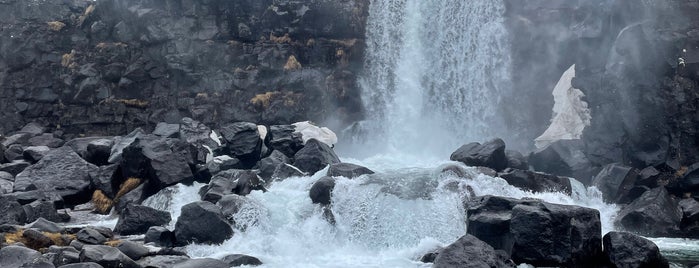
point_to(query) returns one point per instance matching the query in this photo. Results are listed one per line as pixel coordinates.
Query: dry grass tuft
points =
(280, 39)
(264, 100)
(16, 237)
(292, 64)
(103, 204)
(113, 243)
(67, 59)
(133, 102)
(127, 186)
(56, 25)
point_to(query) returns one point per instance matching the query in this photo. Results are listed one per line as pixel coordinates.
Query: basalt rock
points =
(243, 141)
(615, 181)
(490, 154)
(315, 156)
(202, 222)
(136, 219)
(655, 213)
(235, 260)
(285, 139)
(348, 170)
(535, 181)
(108, 257)
(628, 250)
(468, 251)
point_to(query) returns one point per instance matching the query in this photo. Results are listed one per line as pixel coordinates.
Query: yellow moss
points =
(88, 12)
(280, 39)
(67, 59)
(103, 204)
(56, 25)
(127, 186)
(113, 243)
(264, 100)
(292, 64)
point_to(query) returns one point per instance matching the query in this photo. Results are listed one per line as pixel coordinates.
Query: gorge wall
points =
(108, 66)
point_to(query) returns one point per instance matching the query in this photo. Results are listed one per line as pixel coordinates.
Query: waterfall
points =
(435, 73)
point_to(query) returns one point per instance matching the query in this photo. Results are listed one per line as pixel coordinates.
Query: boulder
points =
(203, 142)
(11, 212)
(221, 163)
(204, 262)
(47, 140)
(285, 139)
(321, 191)
(64, 255)
(615, 181)
(242, 141)
(268, 164)
(315, 156)
(90, 236)
(133, 250)
(135, 196)
(35, 239)
(690, 217)
(536, 232)
(232, 204)
(82, 265)
(162, 261)
(106, 256)
(6, 186)
(99, 151)
(41, 209)
(34, 153)
(285, 171)
(17, 138)
(233, 181)
(120, 143)
(15, 167)
(160, 236)
(348, 170)
(629, 250)
(163, 162)
(33, 129)
(14, 152)
(61, 171)
(648, 177)
(235, 260)
(535, 181)
(690, 180)
(7, 176)
(490, 154)
(17, 256)
(166, 130)
(137, 219)
(516, 160)
(107, 179)
(564, 158)
(79, 145)
(44, 225)
(309, 131)
(202, 222)
(655, 213)
(468, 251)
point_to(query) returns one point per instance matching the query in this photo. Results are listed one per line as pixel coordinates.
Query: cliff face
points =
(108, 66)
(636, 63)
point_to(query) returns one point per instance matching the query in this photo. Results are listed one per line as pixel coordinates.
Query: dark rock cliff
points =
(107, 66)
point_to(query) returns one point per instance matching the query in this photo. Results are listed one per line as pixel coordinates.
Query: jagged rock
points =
(14, 152)
(690, 217)
(516, 160)
(232, 204)
(122, 142)
(41, 208)
(135, 196)
(285, 139)
(628, 250)
(16, 256)
(490, 154)
(285, 171)
(648, 177)
(79, 145)
(321, 191)
(163, 162)
(204, 262)
(222, 162)
(235, 260)
(61, 171)
(203, 141)
(17, 138)
(133, 250)
(243, 141)
(348, 170)
(314, 156)
(15, 167)
(167, 130)
(268, 164)
(309, 131)
(99, 151)
(90, 236)
(564, 158)
(107, 179)
(536, 232)
(136, 219)
(160, 236)
(233, 181)
(76, 244)
(535, 181)
(615, 181)
(64, 255)
(468, 251)
(35, 153)
(6, 186)
(47, 140)
(106, 256)
(653, 214)
(33, 129)
(202, 222)
(161, 261)
(45, 225)
(11, 212)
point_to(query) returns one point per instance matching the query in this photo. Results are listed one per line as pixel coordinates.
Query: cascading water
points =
(435, 72)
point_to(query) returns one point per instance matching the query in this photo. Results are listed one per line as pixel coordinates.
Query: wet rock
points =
(536, 232)
(564, 158)
(137, 219)
(690, 181)
(202, 222)
(468, 251)
(315, 156)
(268, 164)
(99, 151)
(690, 217)
(133, 250)
(234, 181)
(160, 236)
(490, 154)
(221, 163)
(42, 209)
(11, 212)
(90, 236)
(285, 139)
(16, 256)
(167, 130)
(64, 255)
(648, 177)
(535, 181)
(203, 141)
(122, 142)
(107, 179)
(243, 142)
(309, 131)
(163, 162)
(429, 257)
(47, 140)
(516, 160)
(14, 167)
(61, 171)
(106, 256)
(204, 262)
(652, 214)
(321, 191)
(16, 139)
(615, 181)
(235, 260)
(44, 225)
(162, 261)
(135, 196)
(79, 145)
(628, 250)
(35, 153)
(285, 171)
(348, 170)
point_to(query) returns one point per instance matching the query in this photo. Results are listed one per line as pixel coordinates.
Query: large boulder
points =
(64, 255)
(315, 156)
(615, 181)
(108, 257)
(235, 260)
(284, 171)
(203, 141)
(321, 191)
(309, 131)
(107, 179)
(136, 219)
(34, 153)
(348, 170)
(564, 158)
(11, 212)
(285, 139)
(61, 171)
(242, 141)
(516, 160)
(467, 252)
(655, 213)
(536, 232)
(629, 250)
(268, 164)
(202, 222)
(14, 167)
(536, 181)
(162, 261)
(166, 130)
(221, 163)
(99, 151)
(6, 186)
(120, 143)
(233, 181)
(690, 217)
(160, 236)
(133, 250)
(46, 139)
(17, 256)
(490, 154)
(162, 161)
(91, 236)
(690, 180)
(42, 209)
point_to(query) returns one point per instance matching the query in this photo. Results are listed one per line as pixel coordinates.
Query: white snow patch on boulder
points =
(310, 131)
